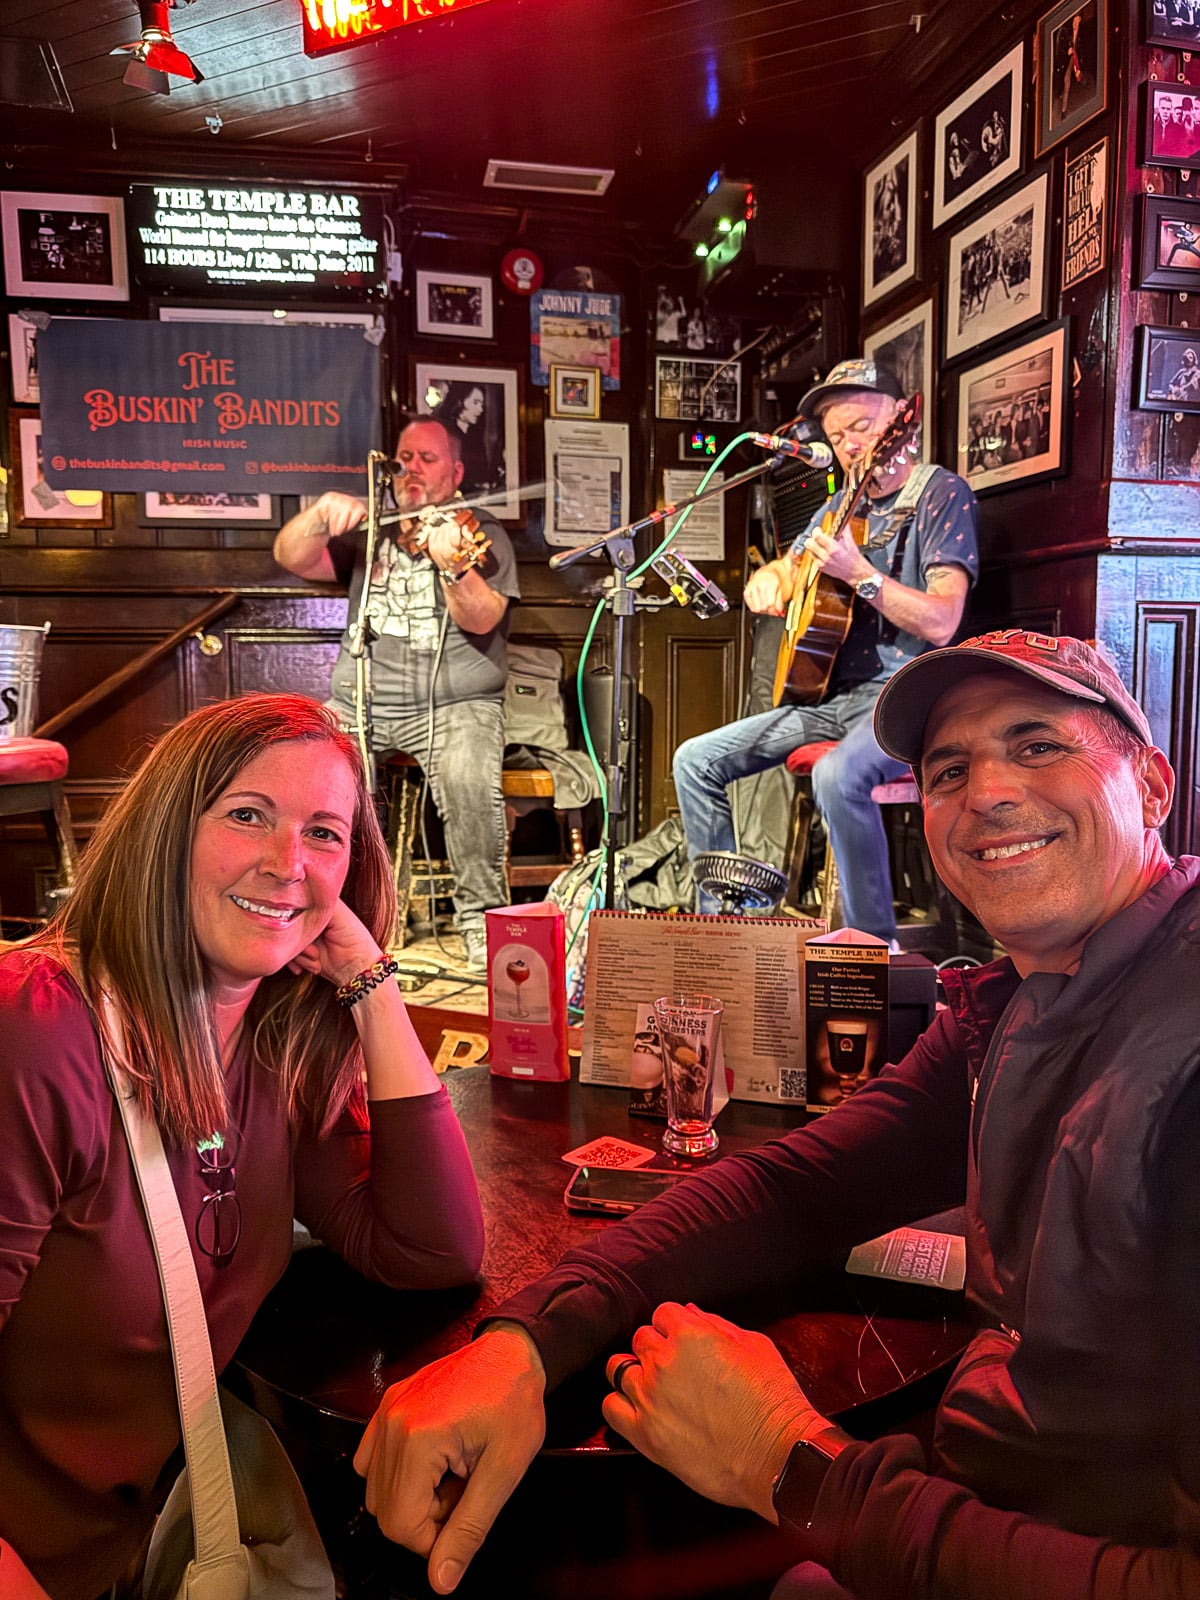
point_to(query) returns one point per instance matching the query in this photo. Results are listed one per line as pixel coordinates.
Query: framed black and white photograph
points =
(1171, 125)
(1167, 369)
(574, 391)
(1168, 243)
(1171, 22)
(996, 278)
(697, 391)
(905, 346)
(22, 349)
(977, 138)
(683, 322)
(208, 510)
(890, 221)
(1012, 413)
(1072, 69)
(456, 305)
(64, 246)
(35, 504)
(481, 406)
(1085, 214)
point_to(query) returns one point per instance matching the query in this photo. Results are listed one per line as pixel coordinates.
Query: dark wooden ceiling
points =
(663, 91)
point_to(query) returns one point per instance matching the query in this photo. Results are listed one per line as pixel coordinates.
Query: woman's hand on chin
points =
(343, 950)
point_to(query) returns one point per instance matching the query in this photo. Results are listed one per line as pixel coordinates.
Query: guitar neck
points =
(852, 492)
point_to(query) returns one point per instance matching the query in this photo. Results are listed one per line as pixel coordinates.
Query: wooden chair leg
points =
(831, 893)
(574, 816)
(65, 836)
(402, 830)
(799, 830)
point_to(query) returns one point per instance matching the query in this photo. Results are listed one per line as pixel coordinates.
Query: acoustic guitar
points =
(817, 619)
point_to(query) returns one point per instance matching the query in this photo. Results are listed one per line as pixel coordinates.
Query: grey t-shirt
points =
(406, 605)
(941, 533)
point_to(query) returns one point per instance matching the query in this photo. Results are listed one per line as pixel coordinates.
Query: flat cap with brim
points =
(849, 377)
(1068, 665)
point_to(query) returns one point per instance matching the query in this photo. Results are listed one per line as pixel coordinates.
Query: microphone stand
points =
(360, 634)
(621, 602)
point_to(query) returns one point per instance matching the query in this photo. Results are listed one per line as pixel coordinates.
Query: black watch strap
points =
(794, 1491)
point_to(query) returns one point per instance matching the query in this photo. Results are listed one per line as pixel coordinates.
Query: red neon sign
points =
(332, 24)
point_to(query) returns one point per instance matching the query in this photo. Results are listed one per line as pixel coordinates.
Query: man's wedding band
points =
(619, 1372)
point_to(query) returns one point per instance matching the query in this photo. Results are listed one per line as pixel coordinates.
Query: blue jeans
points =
(842, 784)
(463, 767)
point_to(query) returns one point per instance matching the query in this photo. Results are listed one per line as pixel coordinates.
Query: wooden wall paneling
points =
(1148, 619)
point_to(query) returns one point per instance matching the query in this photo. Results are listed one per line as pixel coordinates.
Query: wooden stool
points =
(31, 782)
(800, 764)
(938, 938)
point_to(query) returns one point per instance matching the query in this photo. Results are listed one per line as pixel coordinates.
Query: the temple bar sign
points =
(333, 24)
(207, 407)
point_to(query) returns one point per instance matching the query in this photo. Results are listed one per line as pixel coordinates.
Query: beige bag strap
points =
(214, 1508)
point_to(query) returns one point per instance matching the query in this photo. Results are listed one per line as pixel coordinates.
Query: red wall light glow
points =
(332, 24)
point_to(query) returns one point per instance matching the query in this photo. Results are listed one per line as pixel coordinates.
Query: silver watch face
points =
(868, 588)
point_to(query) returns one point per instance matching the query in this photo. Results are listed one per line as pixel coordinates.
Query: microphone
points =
(390, 468)
(689, 586)
(814, 451)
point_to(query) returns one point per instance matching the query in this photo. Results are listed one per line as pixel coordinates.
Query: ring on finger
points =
(619, 1371)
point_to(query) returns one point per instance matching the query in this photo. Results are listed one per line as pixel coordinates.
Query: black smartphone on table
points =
(616, 1191)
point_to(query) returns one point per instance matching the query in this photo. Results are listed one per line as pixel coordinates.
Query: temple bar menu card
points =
(753, 964)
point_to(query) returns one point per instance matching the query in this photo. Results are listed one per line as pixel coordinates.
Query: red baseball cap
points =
(1065, 664)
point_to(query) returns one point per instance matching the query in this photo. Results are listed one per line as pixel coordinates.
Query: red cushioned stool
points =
(31, 782)
(800, 764)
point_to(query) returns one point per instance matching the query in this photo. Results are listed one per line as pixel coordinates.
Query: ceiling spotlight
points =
(155, 58)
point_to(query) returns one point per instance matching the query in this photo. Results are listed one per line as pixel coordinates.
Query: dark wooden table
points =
(327, 1343)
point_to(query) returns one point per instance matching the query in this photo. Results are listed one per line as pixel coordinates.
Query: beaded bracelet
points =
(351, 993)
(450, 578)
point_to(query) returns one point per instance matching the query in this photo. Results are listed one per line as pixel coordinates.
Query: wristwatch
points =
(868, 588)
(794, 1490)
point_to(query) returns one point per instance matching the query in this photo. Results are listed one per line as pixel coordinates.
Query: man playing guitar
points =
(440, 585)
(907, 584)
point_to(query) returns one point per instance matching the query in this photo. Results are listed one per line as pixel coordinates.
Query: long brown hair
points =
(127, 926)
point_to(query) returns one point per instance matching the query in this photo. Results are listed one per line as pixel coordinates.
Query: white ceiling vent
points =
(551, 180)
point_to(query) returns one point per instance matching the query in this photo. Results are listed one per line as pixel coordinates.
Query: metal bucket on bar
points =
(20, 674)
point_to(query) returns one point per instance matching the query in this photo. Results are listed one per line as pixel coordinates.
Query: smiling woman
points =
(231, 914)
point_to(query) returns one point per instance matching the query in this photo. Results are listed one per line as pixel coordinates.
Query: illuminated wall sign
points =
(193, 238)
(332, 24)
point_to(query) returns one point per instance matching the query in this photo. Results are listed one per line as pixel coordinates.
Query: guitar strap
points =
(900, 520)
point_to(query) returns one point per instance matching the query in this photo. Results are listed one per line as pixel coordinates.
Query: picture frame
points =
(491, 456)
(34, 503)
(208, 510)
(1085, 214)
(996, 276)
(1071, 52)
(1171, 125)
(906, 346)
(454, 305)
(1168, 255)
(1167, 369)
(890, 191)
(693, 389)
(22, 350)
(64, 246)
(1163, 22)
(574, 391)
(1011, 416)
(977, 138)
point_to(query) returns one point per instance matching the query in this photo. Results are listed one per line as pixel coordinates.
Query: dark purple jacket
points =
(1067, 1111)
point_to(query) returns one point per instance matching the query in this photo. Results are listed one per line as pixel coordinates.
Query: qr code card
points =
(609, 1152)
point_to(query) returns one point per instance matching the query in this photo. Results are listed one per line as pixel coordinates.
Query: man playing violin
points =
(438, 613)
(906, 576)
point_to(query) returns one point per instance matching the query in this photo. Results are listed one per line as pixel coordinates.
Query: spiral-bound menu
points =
(753, 964)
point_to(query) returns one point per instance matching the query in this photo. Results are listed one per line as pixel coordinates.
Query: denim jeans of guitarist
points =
(842, 784)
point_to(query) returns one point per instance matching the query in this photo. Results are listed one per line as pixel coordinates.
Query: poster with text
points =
(575, 328)
(587, 480)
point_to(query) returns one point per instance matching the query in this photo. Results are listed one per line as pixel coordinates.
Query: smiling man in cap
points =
(1057, 1094)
